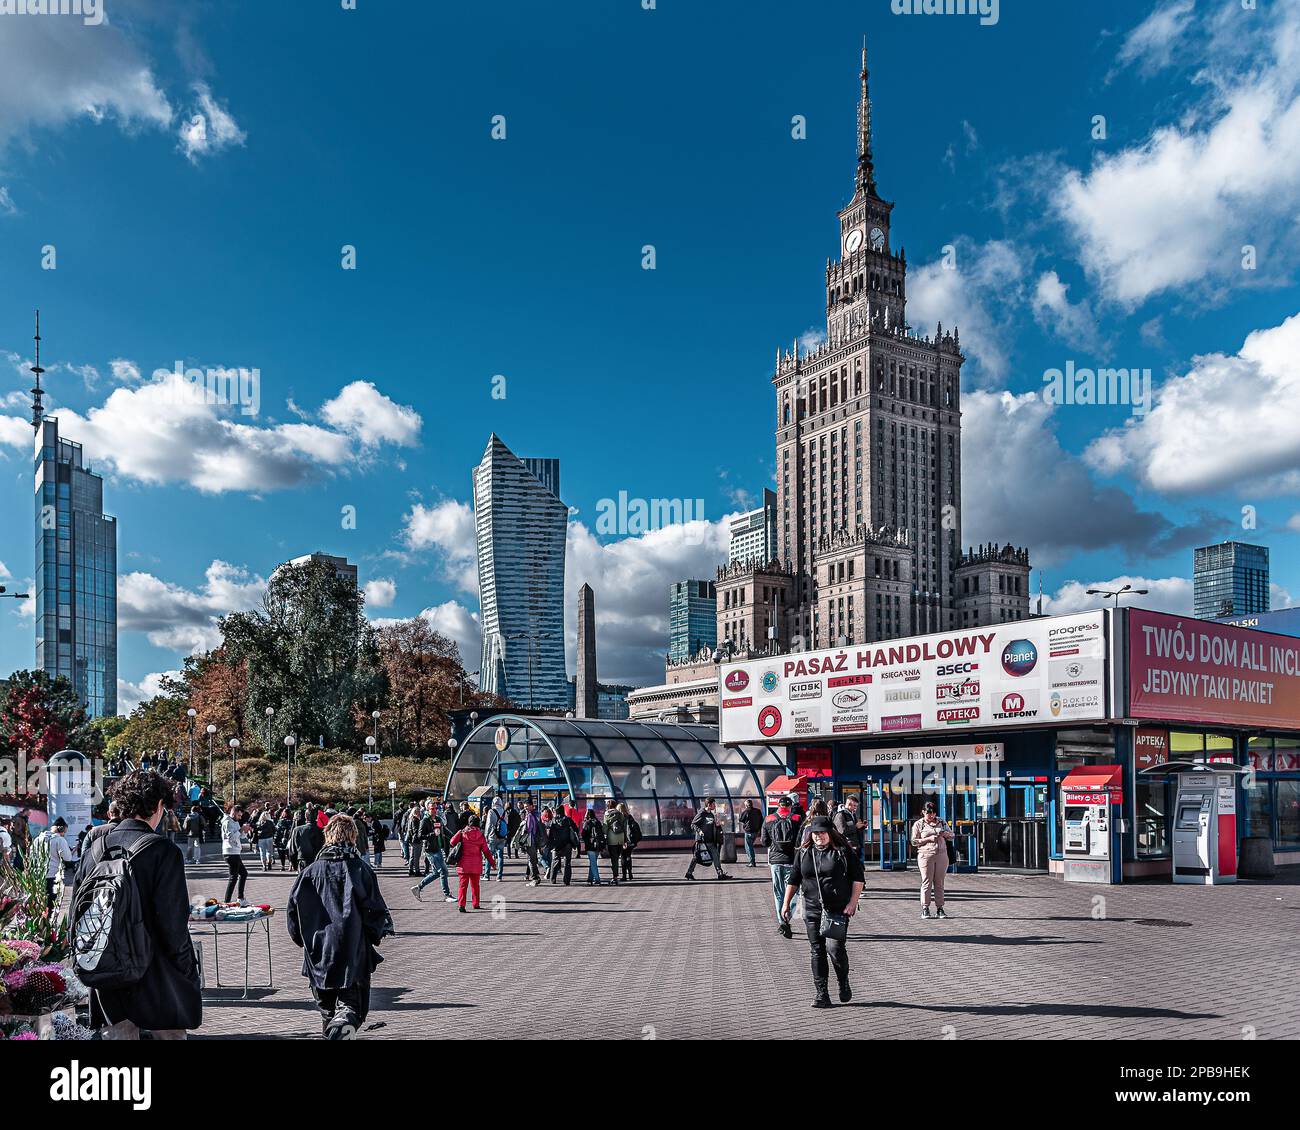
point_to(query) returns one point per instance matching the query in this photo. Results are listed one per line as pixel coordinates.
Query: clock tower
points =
(866, 286)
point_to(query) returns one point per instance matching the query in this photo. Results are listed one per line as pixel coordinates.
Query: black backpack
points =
(783, 833)
(111, 947)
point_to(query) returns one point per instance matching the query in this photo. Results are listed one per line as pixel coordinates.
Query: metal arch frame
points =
(494, 721)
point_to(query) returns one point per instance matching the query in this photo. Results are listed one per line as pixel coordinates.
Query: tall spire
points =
(866, 178)
(38, 410)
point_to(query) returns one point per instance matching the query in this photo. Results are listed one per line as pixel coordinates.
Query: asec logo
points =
(737, 681)
(1019, 657)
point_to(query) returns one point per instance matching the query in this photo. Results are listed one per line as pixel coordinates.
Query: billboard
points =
(1200, 671)
(1283, 621)
(1021, 673)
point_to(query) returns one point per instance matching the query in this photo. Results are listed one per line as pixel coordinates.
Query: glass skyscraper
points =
(1230, 579)
(76, 573)
(520, 526)
(692, 618)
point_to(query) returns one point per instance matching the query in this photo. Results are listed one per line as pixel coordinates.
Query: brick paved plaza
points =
(1021, 958)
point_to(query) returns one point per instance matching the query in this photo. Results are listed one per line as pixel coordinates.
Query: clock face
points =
(877, 239)
(853, 240)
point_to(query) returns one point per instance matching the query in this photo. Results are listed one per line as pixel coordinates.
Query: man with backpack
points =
(593, 839)
(497, 829)
(708, 840)
(435, 837)
(194, 833)
(530, 839)
(55, 840)
(308, 839)
(413, 842)
(563, 838)
(615, 838)
(781, 839)
(128, 924)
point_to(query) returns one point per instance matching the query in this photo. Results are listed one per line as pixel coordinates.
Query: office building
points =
(692, 618)
(753, 534)
(1229, 579)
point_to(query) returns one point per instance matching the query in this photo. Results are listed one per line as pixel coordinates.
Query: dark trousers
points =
(625, 861)
(351, 1006)
(714, 854)
(238, 875)
(413, 862)
(562, 859)
(615, 860)
(531, 870)
(824, 949)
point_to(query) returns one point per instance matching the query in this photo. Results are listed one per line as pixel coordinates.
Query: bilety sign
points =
(933, 754)
(1201, 671)
(1021, 673)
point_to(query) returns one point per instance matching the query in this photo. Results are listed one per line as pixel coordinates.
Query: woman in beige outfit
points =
(930, 837)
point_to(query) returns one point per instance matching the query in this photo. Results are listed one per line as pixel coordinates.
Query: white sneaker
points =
(448, 898)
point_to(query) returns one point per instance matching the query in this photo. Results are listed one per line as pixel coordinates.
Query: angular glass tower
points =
(692, 618)
(1229, 579)
(520, 526)
(76, 573)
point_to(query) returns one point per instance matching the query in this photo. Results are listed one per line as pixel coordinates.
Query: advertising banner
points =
(1202, 671)
(932, 754)
(1051, 669)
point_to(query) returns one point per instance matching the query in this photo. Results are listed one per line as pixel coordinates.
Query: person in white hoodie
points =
(54, 838)
(497, 830)
(232, 847)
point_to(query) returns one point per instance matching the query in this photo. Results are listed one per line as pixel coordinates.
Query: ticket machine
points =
(1092, 796)
(1205, 828)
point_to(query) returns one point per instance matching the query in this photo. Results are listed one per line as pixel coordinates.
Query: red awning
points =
(785, 785)
(1093, 777)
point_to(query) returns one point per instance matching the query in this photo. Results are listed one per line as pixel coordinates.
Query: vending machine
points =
(1092, 796)
(1205, 828)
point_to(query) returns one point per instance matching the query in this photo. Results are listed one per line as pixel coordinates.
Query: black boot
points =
(823, 997)
(846, 993)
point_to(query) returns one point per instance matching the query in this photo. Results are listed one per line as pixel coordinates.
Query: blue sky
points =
(322, 126)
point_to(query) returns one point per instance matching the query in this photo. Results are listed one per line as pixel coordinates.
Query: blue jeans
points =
(498, 849)
(780, 878)
(593, 866)
(437, 869)
(749, 847)
(406, 851)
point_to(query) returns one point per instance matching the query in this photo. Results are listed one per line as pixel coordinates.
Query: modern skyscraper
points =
(1229, 579)
(753, 534)
(76, 570)
(692, 618)
(520, 526)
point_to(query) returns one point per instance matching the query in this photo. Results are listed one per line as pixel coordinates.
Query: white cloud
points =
(1175, 211)
(1073, 323)
(1278, 597)
(447, 526)
(160, 431)
(124, 372)
(380, 593)
(185, 620)
(959, 298)
(208, 127)
(130, 695)
(7, 205)
(453, 620)
(1165, 594)
(1230, 421)
(4, 572)
(1151, 44)
(363, 411)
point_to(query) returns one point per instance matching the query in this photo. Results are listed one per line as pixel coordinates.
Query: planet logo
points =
(768, 681)
(1019, 657)
(769, 721)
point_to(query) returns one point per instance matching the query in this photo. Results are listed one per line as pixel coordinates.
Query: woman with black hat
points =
(830, 877)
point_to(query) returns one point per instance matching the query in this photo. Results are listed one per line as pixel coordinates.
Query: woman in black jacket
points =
(830, 877)
(338, 917)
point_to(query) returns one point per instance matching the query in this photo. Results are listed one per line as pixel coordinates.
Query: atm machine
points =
(1093, 799)
(1205, 828)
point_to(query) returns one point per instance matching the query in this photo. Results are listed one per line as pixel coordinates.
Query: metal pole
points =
(370, 786)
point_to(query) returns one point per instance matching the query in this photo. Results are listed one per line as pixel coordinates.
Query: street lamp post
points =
(370, 772)
(1127, 590)
(191, 713)
(234, 770)
(289, 740)
(270, 713)
(212, 733)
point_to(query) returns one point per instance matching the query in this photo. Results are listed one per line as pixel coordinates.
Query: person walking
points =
(529, 840)
(283, 830)
(167, 999)
(562, 839)
(232, 847)
(514, 816)
(55, 840)
(593, 840)
(615, 838)
(378, 837)
(633, 838)
(469, 862)
(817, 808)
(849, 825)
(498, 835)
(544, 852)
(434, 837)
(338, 917)
(264, 833)
(308, 839)
(362, 820)
(829, 877)
(194, 833)
(708, 839)
(780, 840)
(751, 827)
(414, 841)
(931, 837)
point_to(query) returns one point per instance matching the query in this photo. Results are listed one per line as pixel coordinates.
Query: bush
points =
(322, 776)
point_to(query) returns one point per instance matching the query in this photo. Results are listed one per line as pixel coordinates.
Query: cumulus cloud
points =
(453, 620)
(1073, 323)
(1187, 443)
(380, 593)
(161, 431)
(1164, 594)
(185, 620)
(448, 527)
(977, 295)
(208, 127)
(130, 695)
(124, 372)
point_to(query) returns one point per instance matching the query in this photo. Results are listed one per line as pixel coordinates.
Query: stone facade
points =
(753, 598)
(992, 586)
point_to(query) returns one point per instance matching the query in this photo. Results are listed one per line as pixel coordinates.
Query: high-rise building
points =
(868, 455)
(692, 618)
(992, 586)
(1229, 579)
(76, 572)
(753, 534)
(520, 526)
(343, 568)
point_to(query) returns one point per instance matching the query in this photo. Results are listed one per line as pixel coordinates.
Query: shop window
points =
(1287, 807)
(1286, 754)
(1219, 747)
(1185, 746)
(1151, 810)
(1259, 807)
(1259, 754)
